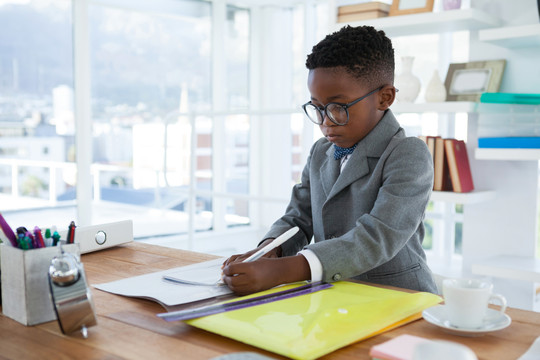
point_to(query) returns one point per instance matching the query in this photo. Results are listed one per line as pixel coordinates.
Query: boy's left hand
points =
(248, 277)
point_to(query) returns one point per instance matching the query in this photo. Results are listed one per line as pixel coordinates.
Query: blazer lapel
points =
(357, 167)
(329, 171)
(373, 145)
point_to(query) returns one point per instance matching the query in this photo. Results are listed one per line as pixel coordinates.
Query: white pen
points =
(274, 244)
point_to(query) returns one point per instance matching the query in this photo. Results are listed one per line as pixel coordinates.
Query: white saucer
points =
(494, 321)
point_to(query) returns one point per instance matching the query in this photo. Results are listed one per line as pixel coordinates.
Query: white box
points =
(102, 236)
(25, 283)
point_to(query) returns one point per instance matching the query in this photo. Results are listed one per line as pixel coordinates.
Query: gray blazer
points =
(367, 222)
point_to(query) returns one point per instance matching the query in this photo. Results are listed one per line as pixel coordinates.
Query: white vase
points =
(451, 4)
(435, 90)
(406, 82)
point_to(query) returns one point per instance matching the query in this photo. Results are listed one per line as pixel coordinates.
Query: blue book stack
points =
(510, 98)
(511, 142)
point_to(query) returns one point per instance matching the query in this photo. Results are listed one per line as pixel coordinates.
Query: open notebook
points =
(168, 293)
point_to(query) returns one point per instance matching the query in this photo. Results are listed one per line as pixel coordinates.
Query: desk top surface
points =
(128, 328)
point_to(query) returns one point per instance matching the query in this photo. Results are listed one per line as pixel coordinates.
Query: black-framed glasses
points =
(338, 113)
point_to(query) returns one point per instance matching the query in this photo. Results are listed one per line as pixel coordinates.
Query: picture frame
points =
(467, 81)
(407, 7)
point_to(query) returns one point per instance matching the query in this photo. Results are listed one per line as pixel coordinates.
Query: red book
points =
(458, 165)
(442, 181)
(430, 141)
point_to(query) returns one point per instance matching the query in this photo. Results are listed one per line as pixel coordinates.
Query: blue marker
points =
(56, 238)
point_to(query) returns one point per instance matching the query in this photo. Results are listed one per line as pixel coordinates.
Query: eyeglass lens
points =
(335, 112)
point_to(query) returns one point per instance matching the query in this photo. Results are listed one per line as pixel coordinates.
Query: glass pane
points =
(149, 70)
(538, 218)
(237, 57)
(428, 237)
(298, 122)
(458, 238)
(237, 130)
(204, 172)
(237, 213)
(237, 154)
(36, 111)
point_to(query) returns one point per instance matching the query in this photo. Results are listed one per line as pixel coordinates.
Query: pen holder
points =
(25, 284)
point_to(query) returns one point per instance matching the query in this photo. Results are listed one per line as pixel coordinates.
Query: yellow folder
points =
(310, 326)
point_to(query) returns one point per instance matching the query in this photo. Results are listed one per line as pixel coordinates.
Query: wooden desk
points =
(128, 328)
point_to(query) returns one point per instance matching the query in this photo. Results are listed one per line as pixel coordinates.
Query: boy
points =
(365, 186)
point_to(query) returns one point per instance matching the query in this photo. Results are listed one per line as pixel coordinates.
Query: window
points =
(149, 70)
(180, 126)
(36, 108)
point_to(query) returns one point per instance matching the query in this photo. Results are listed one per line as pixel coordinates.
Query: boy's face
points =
(336, 85)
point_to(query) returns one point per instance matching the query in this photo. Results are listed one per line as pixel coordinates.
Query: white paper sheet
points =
(153, 286)
(210, 275)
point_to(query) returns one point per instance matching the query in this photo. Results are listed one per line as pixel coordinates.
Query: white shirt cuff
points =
(315, 265)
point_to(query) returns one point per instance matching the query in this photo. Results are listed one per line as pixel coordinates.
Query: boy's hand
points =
(241, 257)
(248, 277)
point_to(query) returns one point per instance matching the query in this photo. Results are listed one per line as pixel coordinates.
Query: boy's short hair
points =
(365, 53)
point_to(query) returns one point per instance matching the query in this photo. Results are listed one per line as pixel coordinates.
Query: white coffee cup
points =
(466, 301)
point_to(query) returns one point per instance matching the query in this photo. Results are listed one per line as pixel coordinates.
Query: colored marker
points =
(20, 241)
(56, 238)
(21, 230)
(6, 229)
(29, 239)
(39, 238)
(71, 233)
(48, 238)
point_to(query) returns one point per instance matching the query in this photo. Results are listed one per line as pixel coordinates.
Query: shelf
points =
(465, 107)
(438, 107)
(512, 36)
(463, 198)
(431, 22)
(509, 267)
(507, 154)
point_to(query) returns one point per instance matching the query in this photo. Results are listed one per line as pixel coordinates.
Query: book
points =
(458, 165)
(515, 142)
(441, 176)
(399, 348)
(430, 141)
(366, 15)
(510, 98)
(362, 11)
(364, 7)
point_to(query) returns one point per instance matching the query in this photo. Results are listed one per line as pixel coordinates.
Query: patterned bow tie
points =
(340, 152)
